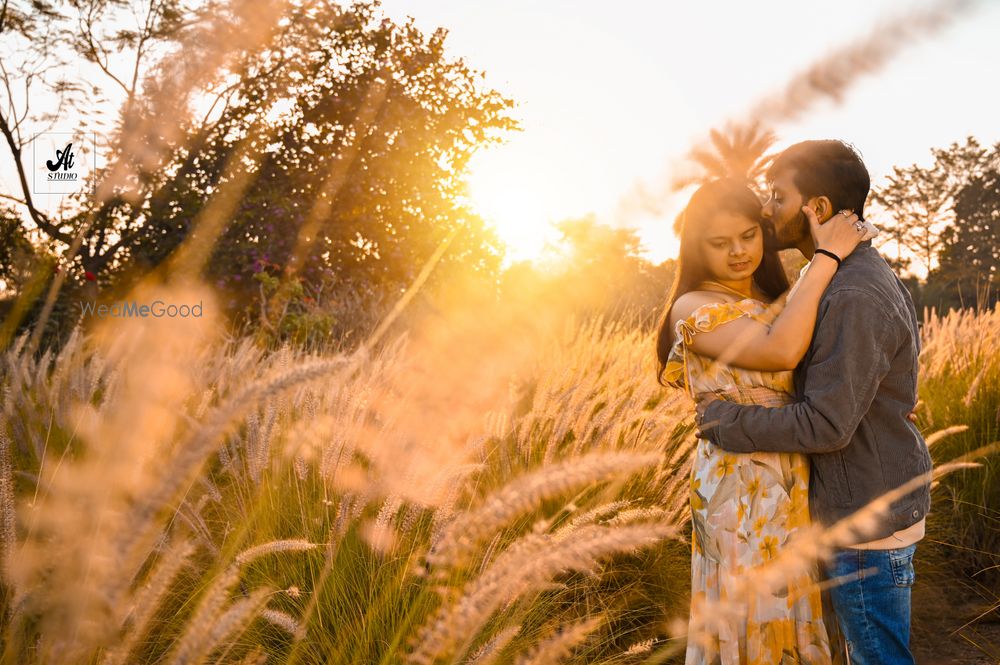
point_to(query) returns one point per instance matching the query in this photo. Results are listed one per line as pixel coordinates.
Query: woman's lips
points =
(740, 266)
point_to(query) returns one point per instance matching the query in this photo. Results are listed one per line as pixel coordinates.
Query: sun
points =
(522, 213)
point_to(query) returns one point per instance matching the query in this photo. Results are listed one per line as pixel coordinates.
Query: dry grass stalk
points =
(529, 563)
(555, 648)
(520, 496)
(282, 620)
(489, 652)
(148, 600)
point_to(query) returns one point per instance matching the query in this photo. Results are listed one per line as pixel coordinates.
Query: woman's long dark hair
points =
(719, 196)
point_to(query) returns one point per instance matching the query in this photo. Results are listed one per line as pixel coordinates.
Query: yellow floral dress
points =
(744, 508)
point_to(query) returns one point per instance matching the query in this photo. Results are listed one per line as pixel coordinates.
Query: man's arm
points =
(853, 346)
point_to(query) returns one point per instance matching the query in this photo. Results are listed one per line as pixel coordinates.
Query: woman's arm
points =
(753, 345)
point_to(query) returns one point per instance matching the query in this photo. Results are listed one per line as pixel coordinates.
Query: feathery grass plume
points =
(191, 515)
(253, 553)
(194, 642)
(147, 600)
(831, 77)
(931, 439)
(529, 562)
(219, 33)
(230, 624)
(461, 537)
(380, 537)
(739, 150)
(450, 486)
(490, 651)
(70, 566)
(974, 387)
(256, 657)
(555, 648)
(282, 620)
(183, 468)
(8, 514)
(640, 647)
(641, 515)
(588, 517)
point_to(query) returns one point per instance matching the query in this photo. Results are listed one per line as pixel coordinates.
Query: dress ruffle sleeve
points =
(711, 315)
(705, 318)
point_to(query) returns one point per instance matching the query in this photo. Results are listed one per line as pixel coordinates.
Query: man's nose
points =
(767, 211)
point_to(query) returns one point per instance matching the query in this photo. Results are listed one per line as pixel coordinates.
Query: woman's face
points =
(732, 246)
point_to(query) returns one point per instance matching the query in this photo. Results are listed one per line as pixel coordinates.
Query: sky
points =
(611, 97)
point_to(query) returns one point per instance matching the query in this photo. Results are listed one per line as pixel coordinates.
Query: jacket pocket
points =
(831, 471)
(845, 478)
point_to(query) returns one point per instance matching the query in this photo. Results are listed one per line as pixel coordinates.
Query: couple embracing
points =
(804, 402)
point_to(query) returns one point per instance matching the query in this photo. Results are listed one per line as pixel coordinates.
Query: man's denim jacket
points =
(854, 390)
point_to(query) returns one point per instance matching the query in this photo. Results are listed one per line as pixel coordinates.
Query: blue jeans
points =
(872, 603)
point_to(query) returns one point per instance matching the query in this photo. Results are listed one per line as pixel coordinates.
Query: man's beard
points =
(792, 233)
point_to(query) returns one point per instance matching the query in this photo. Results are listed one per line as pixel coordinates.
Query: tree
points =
(918, 202)
(595, 269)
(739, 151)
(341, 138)
(969, 270)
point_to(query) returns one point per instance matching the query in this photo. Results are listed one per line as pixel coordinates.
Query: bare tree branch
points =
(36, 215)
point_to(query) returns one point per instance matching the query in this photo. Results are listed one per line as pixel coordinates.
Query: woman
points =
(719, 333)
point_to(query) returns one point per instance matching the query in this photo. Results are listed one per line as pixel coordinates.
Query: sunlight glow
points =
(518, 214)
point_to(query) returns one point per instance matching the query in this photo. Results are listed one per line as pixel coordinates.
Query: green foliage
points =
(302, 321)
(363, 130)
(970, 259)
(941, 216)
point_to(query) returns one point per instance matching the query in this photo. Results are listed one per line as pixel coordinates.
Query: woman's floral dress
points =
(744, 508)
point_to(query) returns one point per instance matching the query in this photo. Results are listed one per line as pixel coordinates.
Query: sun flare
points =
(522, 217)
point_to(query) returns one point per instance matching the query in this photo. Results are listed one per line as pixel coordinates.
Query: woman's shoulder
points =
(707, 310)
(690, 302)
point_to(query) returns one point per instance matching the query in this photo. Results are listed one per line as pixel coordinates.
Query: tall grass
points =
(960, 389)
(459, 495)
(176, 497)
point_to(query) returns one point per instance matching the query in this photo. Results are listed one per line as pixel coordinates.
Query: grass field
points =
(516, 494)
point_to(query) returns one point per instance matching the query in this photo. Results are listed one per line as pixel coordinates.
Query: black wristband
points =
(833, 256)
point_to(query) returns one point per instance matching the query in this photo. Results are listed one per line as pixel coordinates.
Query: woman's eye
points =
(718, 245)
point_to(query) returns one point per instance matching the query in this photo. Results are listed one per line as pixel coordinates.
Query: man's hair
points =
(826, 168)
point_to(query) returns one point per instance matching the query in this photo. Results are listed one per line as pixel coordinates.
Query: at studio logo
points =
(62, 161)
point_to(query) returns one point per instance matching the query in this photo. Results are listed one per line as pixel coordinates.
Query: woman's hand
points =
(840, 234)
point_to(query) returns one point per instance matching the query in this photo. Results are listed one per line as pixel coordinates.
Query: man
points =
(855, 388)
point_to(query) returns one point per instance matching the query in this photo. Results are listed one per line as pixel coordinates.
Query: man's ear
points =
(822, 206)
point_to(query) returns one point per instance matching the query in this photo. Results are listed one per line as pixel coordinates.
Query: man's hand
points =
(702, 400)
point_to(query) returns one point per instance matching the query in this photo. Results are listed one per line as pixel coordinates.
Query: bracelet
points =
(827, 252)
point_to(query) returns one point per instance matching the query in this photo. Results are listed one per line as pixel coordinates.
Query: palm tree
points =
(738, 151)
